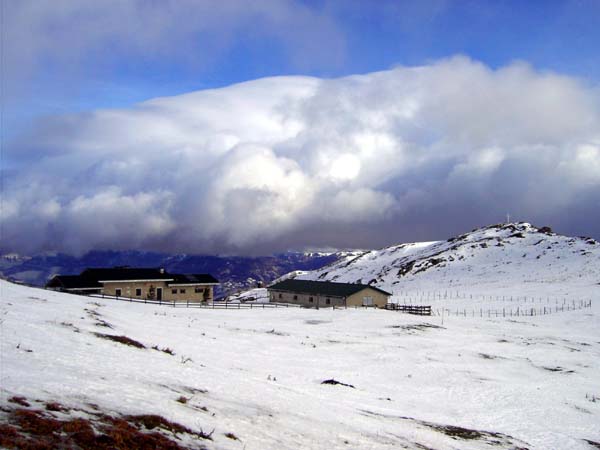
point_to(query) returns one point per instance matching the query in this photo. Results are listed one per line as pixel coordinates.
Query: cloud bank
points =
(295, 162)
(68, 41)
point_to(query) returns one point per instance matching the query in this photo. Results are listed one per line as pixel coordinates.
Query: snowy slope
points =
(513, 258)
(418, 383)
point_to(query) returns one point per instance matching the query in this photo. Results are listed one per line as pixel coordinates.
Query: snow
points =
(532, 378)
(502, 260)
(256, 295)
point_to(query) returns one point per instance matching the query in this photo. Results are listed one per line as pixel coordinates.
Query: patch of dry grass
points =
(121, 339)
(38, 430)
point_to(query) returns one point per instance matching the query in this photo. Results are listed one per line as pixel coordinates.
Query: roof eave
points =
(136, 281)
(310, 293)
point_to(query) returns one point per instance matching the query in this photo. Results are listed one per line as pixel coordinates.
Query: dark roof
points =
(193, 278)
(125, 273)
(73, 282)
(322, 287)
(91, 278)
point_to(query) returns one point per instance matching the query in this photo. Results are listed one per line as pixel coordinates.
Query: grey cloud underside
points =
(413, 153)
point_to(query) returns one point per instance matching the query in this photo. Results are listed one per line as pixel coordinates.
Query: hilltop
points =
(517, 256)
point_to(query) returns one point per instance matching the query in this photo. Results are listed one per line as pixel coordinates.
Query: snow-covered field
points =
(532, 382)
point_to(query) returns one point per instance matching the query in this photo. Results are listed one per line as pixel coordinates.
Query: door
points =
(159, 294)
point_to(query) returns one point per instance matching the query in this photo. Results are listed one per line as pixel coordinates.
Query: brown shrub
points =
(121, 339)
(152, 421)
(82, 433)
(35, 422)
(124, 435)
(53, 406)
(19, 400)
(76, 426)
(8, 433)
(336, 382)
(166, 350)
(35, 430)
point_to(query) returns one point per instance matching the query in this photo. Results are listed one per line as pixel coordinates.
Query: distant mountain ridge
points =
(502, 254)
(498, 256)
(234, 272)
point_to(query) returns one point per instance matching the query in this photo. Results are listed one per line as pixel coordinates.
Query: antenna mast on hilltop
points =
(507, 218)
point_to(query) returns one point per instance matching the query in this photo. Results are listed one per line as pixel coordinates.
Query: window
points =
(173, 291)
(280, 296)
(138, 292)
(295, 297)
(328, 301)
(198, 290)
(310, 299)
(118, 292)
(182, 291)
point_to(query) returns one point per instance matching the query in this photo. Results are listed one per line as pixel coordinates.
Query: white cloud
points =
(280, 162)
(480, 163)
(345, 167)
(581, 172)
(77, 38)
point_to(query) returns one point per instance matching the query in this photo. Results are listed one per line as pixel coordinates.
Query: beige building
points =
(320, 294)
(142, 284)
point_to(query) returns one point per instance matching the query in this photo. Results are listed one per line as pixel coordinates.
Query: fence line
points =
(222, 305)
(519, 312)
(188, 304)
(409, 307)
(420, 297)
(418, 310)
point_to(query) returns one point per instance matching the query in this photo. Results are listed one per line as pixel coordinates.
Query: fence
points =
(188, 304)
(222, 305)
(418, 310)
(553, 305)
(421, 297)
(518, 312)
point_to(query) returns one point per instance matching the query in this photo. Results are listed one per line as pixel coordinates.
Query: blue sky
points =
(464, 109)
(351, 37)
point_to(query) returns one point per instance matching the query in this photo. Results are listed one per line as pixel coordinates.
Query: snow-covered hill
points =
(507, 257)
(83, 370)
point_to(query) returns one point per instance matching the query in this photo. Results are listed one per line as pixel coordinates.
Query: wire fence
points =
(422, 297)
(452, 303)
(224, 304)
(519, 311)
(205, 305)
(419, 310)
